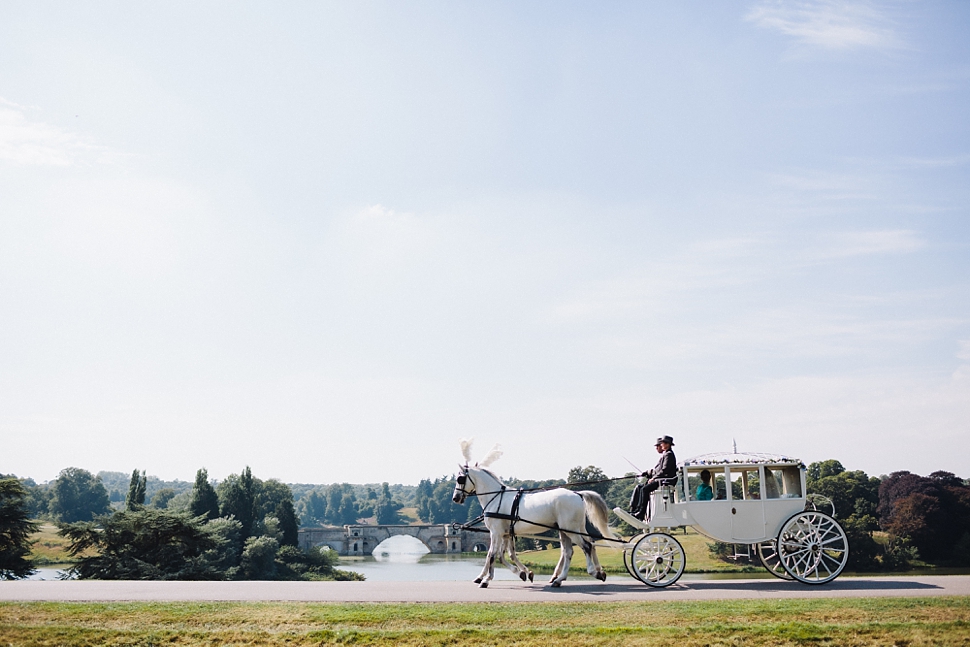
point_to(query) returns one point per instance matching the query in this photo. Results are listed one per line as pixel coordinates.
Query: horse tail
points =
(597, 512)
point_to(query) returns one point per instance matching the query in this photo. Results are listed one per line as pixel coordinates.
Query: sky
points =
(329, 240)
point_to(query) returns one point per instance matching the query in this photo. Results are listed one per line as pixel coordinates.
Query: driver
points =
(666, 468)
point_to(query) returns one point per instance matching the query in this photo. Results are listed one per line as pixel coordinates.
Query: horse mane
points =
(492, 474)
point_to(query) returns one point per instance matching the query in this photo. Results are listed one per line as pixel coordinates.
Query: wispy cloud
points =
(827, 24)
(29, 142)
(964, 352)
(862, 243)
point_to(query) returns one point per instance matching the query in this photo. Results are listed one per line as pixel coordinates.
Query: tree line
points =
(244, 527)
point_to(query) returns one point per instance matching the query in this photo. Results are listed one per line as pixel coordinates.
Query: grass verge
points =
(858, 621)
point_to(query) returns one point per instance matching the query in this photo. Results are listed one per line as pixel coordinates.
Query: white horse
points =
(532, 513)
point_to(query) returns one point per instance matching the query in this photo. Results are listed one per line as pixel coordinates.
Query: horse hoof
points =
(601, 576)
(483, 585)
(478, 580)
(522, 576)
(556, 584)
(531, 576)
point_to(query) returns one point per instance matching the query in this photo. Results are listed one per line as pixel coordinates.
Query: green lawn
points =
(858, 621)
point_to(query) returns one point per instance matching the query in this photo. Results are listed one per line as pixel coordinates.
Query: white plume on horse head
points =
(493, 455)
(466, 449)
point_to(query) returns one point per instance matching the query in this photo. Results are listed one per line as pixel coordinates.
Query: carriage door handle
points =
(734, 511)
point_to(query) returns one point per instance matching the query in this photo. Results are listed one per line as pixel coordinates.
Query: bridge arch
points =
(363, 539)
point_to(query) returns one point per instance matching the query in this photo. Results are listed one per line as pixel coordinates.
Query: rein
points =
(562, 485)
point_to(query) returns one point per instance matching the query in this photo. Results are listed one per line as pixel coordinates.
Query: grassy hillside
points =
(49, 547)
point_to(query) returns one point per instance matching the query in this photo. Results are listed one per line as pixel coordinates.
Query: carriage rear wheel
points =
(657, 559)
(812, 547)
(768, 556)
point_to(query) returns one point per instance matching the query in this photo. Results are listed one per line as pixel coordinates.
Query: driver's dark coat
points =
(666, 467)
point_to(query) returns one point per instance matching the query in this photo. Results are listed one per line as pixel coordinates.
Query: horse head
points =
(462, 483)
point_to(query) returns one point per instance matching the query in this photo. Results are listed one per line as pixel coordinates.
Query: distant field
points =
(695, 548)
(857, 621)
(49, 547)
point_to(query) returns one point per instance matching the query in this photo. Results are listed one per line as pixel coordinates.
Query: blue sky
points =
(327, 240)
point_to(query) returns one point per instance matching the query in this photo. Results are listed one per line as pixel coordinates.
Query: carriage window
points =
(720, 486)
(745, 484)
(701, 484)
(791, 482)
(774, 485)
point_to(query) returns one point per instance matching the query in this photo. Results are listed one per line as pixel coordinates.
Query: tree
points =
(136, 491)
(269, 494)
(204, 500)
(77, 495)
(15, 530)
(348, 509)
(313, 508)
(822, 469)
(162, 497)
(289, 525)
(583, 476)
(387, 509)
(259, 559)
(147, 544)
(238, 499)
(38, 498)
(855, 496)
(314, 564)
(932, 514)
(435, 505)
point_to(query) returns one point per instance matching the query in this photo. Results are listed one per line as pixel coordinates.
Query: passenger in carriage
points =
(665, 469)
(704, 492)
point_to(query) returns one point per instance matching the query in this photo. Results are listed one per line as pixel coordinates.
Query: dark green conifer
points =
(204, 501)
(136, 491)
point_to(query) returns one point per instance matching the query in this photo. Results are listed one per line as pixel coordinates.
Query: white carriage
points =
(756, 499)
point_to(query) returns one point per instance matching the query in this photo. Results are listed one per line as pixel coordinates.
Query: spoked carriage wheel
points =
(812, 547)
(627, 561)
(768, 556)
(820, 503)
(657, 559)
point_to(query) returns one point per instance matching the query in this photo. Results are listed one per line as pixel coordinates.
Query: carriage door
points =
(747, 511)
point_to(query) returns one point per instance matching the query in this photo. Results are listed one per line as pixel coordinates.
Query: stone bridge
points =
(363, 539)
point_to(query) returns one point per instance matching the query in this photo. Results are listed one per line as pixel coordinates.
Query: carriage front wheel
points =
(812, 547)
(657, 559)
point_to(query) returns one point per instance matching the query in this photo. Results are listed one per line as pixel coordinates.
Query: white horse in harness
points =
(509, 512)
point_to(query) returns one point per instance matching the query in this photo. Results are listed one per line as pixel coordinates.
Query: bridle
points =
(461, 481)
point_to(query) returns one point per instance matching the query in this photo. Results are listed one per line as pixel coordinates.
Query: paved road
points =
(615, 589)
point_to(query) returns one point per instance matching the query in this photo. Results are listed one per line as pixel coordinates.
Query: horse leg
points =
(592, 562)
(488, 571)
(565, 558)
(512, 563)
(519, 568)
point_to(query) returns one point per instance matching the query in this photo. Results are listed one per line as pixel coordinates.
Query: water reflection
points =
(408, 567)
(49, 573)
(400, 549)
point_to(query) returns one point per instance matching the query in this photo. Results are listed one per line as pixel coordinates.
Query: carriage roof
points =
(746, 458)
